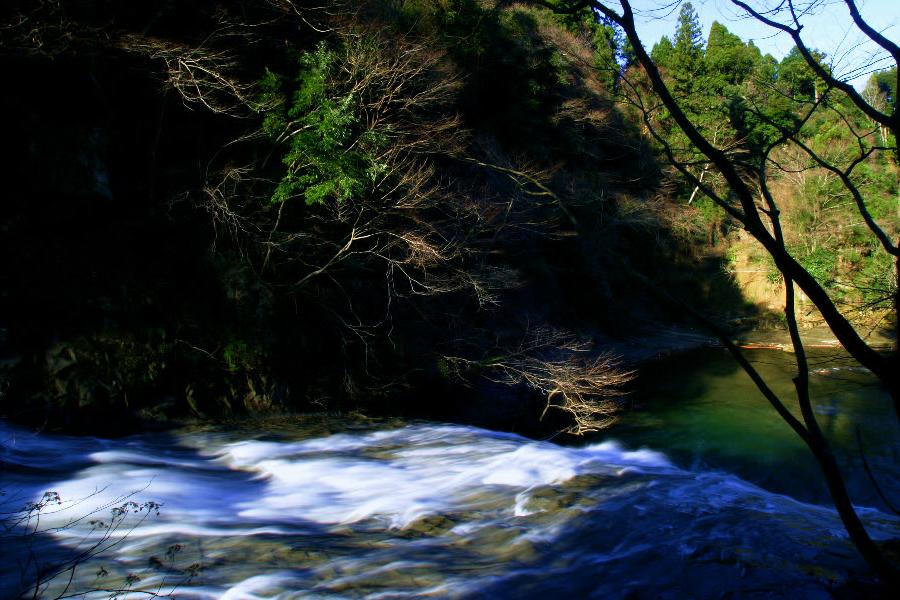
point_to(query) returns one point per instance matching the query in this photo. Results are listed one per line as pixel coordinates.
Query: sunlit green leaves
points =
(329, 153)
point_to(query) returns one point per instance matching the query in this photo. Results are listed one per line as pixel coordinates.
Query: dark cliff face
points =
(95, 250)
(95, 151)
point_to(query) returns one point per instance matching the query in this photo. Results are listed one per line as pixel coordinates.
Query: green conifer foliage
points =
(881, 89)
(687, 55)
(330, 156)
(795, 77)
(607, 42)
(728, 60)
(662, 53)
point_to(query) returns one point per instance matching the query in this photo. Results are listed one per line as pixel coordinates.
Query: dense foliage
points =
(743, 101)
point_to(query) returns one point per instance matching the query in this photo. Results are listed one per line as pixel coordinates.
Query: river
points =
(700, 491)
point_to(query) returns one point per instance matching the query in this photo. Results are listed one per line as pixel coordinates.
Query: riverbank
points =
(478, 402)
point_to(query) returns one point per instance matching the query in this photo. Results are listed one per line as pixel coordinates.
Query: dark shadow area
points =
(126, 305)
(685, 549)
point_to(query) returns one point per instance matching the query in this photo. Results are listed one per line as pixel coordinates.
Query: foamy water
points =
(404, 512)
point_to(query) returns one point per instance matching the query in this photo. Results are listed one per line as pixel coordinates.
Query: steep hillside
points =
(239, 207)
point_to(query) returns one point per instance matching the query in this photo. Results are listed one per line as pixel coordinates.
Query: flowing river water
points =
(699, 492)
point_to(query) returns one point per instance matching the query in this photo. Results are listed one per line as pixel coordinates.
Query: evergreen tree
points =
(765, 70)
(608, 49)
(627, 54)
(663, 52)
(728, 60)
(795, 76)
(881, 93)
(882, 88)
(688, 54)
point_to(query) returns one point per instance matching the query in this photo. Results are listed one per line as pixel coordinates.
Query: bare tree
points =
(413, 232)
(747, 197)
(573, 380)
(400, 223)
(201, 75)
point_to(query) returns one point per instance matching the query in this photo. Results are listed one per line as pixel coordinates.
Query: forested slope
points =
(744, 101)
(427, 207)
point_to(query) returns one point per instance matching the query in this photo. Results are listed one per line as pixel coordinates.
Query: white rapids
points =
(399, 512)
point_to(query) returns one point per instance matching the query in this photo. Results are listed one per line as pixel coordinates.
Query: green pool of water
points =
(703, 411)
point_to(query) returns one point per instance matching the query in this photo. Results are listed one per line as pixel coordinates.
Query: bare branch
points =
(558, 366)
